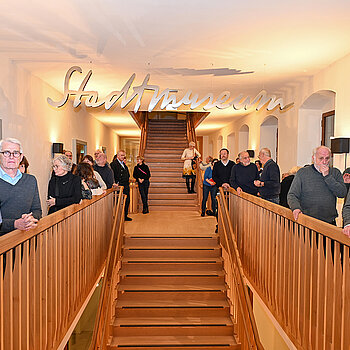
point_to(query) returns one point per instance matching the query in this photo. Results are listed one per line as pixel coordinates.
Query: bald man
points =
(315, 188)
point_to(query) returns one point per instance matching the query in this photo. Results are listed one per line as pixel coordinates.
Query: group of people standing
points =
(20, 206)
(312, 190)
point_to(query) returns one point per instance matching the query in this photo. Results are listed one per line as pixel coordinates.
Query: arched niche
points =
(210, 148)
(310, 123)
(269, 135)
(231, 143)
(219, 143)
(243, 138)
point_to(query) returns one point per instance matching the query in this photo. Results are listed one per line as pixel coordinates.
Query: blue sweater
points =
(208, 175)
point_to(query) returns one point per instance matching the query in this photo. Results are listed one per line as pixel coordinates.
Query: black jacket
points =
(121, 174)
(66, 189)
(141, 172)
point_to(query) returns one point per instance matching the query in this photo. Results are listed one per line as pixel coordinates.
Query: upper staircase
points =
(172, 295)
(166, 141)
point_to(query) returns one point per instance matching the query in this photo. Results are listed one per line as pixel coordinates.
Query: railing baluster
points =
(300, 269)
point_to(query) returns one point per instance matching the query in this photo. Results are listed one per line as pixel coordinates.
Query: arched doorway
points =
(231, 143)
(269, 135)
(219, 143)
(243, 138)
(310, 123)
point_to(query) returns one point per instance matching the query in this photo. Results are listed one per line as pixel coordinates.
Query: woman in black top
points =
(64, 187)
(142, 174)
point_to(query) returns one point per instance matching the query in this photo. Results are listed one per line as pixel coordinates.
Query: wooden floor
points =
(170, 222)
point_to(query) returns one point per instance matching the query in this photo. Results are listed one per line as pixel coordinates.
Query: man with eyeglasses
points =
(19, 196)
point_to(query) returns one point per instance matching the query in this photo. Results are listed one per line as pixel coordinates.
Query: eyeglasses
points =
(8, 154)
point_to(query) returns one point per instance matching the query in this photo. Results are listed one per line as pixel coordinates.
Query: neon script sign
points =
(168, 96)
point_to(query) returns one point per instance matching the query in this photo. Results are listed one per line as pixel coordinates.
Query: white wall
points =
(243, 139)
(27, 116)
(292, 149)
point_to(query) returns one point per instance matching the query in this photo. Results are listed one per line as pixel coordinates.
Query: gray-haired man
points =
(19, 195)
(315, 188)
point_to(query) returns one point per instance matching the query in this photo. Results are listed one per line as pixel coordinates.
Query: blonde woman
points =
(189, 156)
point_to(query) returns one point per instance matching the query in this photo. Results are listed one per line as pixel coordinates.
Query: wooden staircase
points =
(172, 295)
(165, 143)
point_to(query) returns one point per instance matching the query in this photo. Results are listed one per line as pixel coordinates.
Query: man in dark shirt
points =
(243, 175)
(19, 195)
(269, 185)
(104, 170)
(222, 169)
(121, 178)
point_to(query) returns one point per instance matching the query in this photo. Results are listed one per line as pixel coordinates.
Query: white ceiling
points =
(275, 43)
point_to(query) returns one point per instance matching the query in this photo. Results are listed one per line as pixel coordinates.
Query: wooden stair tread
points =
(178, 321)
(173, 340)
(132, 271)
(169, 247)
(124, 286)
(172, 260)
(127, 302)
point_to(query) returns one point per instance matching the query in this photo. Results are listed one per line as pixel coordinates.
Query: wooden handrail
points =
(48, 273)
(191, 136)
(103, 317)
(247, 330)
(300, 269)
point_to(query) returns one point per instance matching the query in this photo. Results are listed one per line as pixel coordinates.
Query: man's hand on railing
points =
(346, 230)
(225, 186)
(26, 222)
(239, 191)
(296, 213)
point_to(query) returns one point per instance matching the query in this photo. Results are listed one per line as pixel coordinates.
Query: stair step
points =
(164, 151)
(169, 179)
(170, 253)
(168, 299)
(151, 242)
(160, 185)
(166, 189)
(173, 207)
(164, 271)
(173, 342)
(175, 196)
(173, 311)
(173, 202)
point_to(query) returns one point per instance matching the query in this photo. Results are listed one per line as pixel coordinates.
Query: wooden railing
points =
(108, 294)
(301, 270)
(191, 136)
(144, 132)
(241, 309)
(48, 272)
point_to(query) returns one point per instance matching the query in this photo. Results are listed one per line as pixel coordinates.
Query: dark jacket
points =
(222, 173)
(106, 173)
(243, 177)
(66, 189)
(141, 172)
(271, 178)
(121, 174)
(285, 186)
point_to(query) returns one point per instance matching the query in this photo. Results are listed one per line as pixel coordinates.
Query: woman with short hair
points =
(64, 188)
(142, 174)
(189, 156)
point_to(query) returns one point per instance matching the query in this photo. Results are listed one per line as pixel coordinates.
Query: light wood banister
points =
(238, 294)
(47, 273)
(104, 312)
(300, 269)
